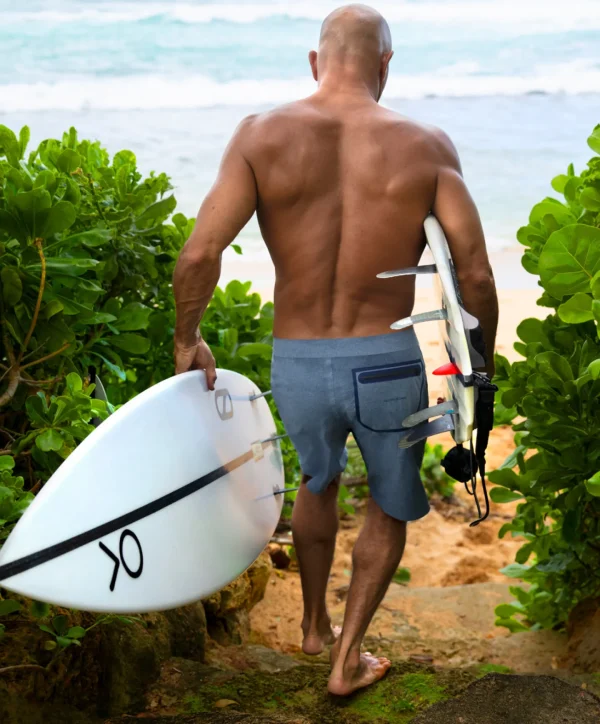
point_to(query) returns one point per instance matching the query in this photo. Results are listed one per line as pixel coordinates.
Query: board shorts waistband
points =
(402, 341)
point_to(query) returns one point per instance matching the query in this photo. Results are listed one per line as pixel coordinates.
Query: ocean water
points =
(516, 83)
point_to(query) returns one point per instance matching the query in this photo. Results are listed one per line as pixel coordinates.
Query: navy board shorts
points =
(327, 388)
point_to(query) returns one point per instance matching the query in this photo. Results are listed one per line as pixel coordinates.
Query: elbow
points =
(195, 257)
(477, 280)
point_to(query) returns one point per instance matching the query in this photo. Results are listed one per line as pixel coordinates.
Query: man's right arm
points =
(456, 211)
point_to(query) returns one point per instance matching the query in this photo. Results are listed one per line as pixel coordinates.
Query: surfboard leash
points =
(463, 465)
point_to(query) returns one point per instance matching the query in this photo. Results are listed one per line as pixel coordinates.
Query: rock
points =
(187, 631)
(502, 699)
(583, 629)
(131, 657)
(279, 556)
(227, 610)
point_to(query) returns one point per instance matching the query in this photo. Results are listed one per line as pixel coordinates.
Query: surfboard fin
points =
(408, 271)
(444, 408)
(407, 322)
(257, 397)
(427, 429)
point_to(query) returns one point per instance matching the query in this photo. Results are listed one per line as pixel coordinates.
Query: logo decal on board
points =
(134, 573)
(224, 404)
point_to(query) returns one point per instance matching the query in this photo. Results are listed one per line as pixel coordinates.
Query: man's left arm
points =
(225, 211)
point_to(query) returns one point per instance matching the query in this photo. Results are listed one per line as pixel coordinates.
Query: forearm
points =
(194, 281)
(480, 299)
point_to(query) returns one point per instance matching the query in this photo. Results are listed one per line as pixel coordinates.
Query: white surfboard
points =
(455, 325)
(460, 387)
(170, 499)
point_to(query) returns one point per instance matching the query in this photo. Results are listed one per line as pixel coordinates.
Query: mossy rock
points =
(301, 694)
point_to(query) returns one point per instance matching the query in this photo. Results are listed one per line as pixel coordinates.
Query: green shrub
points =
(556, 388)
(87, 250)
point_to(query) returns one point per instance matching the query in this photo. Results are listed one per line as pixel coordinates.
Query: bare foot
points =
(369, 670)
(314, 644)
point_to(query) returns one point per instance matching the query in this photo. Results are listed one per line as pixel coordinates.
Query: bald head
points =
(355, 49)
(355, 30)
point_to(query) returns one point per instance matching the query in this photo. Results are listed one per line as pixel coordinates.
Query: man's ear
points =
(383, 71)
(312, 59)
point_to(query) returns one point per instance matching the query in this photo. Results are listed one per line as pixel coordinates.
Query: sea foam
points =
(198, 91)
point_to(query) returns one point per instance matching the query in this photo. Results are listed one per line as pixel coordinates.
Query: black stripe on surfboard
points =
(8, 570)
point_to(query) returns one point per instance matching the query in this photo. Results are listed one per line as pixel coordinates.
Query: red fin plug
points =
(447, 369)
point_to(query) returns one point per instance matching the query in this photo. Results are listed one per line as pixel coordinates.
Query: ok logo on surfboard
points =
(134, 573)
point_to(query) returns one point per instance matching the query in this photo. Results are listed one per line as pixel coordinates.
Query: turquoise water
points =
(514, 82)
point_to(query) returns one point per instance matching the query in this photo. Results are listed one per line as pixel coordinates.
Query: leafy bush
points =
(556, 388)
(86, 260)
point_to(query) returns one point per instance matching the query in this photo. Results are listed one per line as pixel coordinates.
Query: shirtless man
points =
(341, 187)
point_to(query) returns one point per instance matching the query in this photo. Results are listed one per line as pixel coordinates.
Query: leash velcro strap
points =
(484, 415)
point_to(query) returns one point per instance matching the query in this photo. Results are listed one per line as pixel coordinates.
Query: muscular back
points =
(342, 195)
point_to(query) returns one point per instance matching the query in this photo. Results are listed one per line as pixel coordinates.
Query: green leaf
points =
(505, 477)
(53, 307)
(49, 440)
(237, 248)
(595, 285)
(69, 266)
(132, 343)
(402, 576)
(515, 570)
(92, 238)
(594, 140)
(39, 609)
(31, 204)
(158, 211)
(559, 182)
(115, 369)
(9, 146)
(24, 136)
(577, 309)
(12, 287)
(554, 366)
(590, 198)
(593, 484)
(503, 495)
(63, 641)
(506, 610)
(60, 217)
(6, 462)
(60, 624)
(570, 259)
(556, 563)
(512, 625)
(551, 207)
(255, 349)
(133, 316)
(531, 330)
(74, 383)
(68, 161)
(594, 369)
(76, 632)
(9, 606)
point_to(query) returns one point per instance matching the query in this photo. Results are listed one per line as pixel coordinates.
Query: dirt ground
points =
(445, 614)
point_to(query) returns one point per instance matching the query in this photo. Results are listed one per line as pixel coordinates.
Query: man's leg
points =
(375, 559)
(314, 528)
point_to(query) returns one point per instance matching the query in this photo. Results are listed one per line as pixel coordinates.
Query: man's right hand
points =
(196, 357)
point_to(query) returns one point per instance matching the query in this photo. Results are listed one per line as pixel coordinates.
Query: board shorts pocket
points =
(386, 394)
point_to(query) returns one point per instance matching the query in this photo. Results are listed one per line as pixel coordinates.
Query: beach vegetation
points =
(554, 472)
